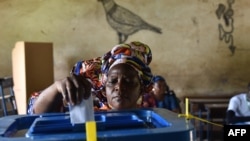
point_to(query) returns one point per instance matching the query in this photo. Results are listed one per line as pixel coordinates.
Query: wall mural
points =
(125, 22)
(226, 31)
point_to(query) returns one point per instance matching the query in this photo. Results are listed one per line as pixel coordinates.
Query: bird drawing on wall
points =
(125, 22)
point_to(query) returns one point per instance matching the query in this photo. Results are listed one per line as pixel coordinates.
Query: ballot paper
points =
(82, 112)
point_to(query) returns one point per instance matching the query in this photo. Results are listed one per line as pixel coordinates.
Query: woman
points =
(161, 96)
(117, 79)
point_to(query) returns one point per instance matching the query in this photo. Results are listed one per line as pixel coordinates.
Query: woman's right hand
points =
(70, 90)
(73, 89)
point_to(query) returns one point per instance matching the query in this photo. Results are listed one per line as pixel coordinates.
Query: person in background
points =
(117, 80)
(238, 110)
(161, 96)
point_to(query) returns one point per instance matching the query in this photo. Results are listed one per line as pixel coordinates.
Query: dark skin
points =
(159, 89)
(123, 88)
(70, 90)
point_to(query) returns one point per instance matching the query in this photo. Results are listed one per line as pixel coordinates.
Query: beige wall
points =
(188, 53)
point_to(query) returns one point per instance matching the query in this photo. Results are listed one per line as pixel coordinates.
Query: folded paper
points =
(82, 112)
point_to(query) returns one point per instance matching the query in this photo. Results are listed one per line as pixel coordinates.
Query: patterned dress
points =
(135, 54)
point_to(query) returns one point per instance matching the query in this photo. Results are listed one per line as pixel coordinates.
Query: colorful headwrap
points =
(135, 54)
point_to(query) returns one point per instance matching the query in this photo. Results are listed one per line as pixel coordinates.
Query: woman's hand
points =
(73, 89)
(70, 90)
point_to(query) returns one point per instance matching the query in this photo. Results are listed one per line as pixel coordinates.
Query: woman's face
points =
(123, 87)
(159, 89)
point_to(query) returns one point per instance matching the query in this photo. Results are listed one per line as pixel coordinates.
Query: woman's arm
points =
(69, 90)
(49, 100)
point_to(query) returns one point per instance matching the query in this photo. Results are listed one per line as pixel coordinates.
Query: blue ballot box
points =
(128, 125)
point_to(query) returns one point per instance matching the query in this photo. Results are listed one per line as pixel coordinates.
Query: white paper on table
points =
(82, 112)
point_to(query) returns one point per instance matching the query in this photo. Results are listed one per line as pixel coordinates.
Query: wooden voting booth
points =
(32, 66)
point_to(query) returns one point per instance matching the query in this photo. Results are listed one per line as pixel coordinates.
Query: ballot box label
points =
(232, 132)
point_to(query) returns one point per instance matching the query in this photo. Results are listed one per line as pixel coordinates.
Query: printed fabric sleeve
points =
(32, 100)
(90, 69)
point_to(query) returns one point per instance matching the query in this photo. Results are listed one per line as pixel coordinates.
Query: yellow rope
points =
(189, 116)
